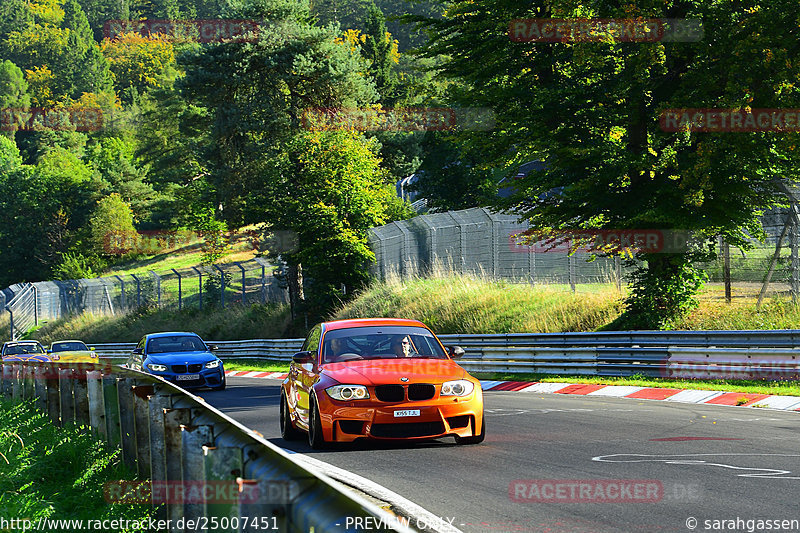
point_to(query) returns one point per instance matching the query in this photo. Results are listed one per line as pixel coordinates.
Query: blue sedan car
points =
(181, 358)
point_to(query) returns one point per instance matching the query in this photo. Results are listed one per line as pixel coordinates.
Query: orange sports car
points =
(380, 378)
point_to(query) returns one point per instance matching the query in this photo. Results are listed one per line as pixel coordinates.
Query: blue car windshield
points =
(176, 343)
(380, 342)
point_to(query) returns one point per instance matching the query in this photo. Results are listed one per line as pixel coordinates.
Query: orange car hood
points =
(383, 371)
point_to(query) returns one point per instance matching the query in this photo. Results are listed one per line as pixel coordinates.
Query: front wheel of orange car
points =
(288, 431)
(315, 438)
(477, 439)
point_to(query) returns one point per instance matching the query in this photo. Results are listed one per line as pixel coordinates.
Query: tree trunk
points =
(294, 274)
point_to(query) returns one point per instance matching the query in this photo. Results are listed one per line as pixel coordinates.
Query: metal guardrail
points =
(770, 354)
(173, 437)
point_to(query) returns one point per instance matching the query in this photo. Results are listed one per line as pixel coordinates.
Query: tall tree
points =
(591, 111)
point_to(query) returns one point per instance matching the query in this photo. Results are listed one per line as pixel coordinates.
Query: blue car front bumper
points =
(210, 377)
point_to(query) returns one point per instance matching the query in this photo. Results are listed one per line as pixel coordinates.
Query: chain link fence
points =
(240, 283)
(481, 242)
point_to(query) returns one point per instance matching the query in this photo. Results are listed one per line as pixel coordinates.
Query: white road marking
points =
(695, 460)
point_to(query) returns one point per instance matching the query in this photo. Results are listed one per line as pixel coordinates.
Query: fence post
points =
(221, 285)
(13, 337)
(263, 264)
(122, 299)
(138, 290)
(81, 395)
(244, 286)
(180, 290)
(795, 278)
(571, 270)
(158, 287)
(199, 285)
(618, 271)
(36, 305)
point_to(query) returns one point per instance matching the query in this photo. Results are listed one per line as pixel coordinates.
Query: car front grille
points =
(183, 369)
(179, 369)
(195, 368)
(404, 431)
(421, 391)
(390, 393)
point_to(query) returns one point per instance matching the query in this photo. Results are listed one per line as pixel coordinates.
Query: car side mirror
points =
(213, 347)
(137, 351)
(91, 348)
(302, 358)
(455, 352)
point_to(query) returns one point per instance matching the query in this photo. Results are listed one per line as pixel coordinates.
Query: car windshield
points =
(72, 346)
(19, 349)
(380, 342)
(176, 343)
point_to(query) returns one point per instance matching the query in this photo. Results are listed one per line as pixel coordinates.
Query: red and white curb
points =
(711, 397)
(255, 374)
(736, 399)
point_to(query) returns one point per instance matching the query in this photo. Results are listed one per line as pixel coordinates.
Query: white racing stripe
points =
(405, 506)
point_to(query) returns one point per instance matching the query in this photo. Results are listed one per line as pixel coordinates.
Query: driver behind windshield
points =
(401, 346)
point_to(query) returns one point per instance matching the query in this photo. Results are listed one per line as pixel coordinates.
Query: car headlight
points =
(459, 387)
(348, 392)
(213, 364)
(157, 368)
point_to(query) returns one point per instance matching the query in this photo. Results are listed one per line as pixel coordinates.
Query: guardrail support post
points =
(223, 464)
(111, 408)
(28, 391)
(66, 399)
(16, 383)
(7, 383)
(127, 422)
(193, 440)
(97, 418)
(173, 420)
(222, 286)
(53, 397)
(141, 414)
(81, 393)
(157, 405)
(40, 387)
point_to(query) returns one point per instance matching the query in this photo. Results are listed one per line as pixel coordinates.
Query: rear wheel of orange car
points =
(315, 438)
(477, 439)
(288, 431)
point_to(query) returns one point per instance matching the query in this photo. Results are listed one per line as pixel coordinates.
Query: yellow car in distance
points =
(72, 351)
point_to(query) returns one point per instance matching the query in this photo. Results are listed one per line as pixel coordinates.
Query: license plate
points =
(406, 412)
(188, 377)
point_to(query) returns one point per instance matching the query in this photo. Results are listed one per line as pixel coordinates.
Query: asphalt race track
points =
(544, 453)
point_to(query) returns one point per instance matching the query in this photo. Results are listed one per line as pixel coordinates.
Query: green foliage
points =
(591, 111)
(13, 89)
(10, 158)
(662, 294)
(112, 216)
(329, 190)
(115, 159)
(46, 471)
(73, 266)
(139, 63)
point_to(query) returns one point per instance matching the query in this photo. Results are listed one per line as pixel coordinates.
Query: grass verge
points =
(57, 473)
(234, 322)
(258, 365)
